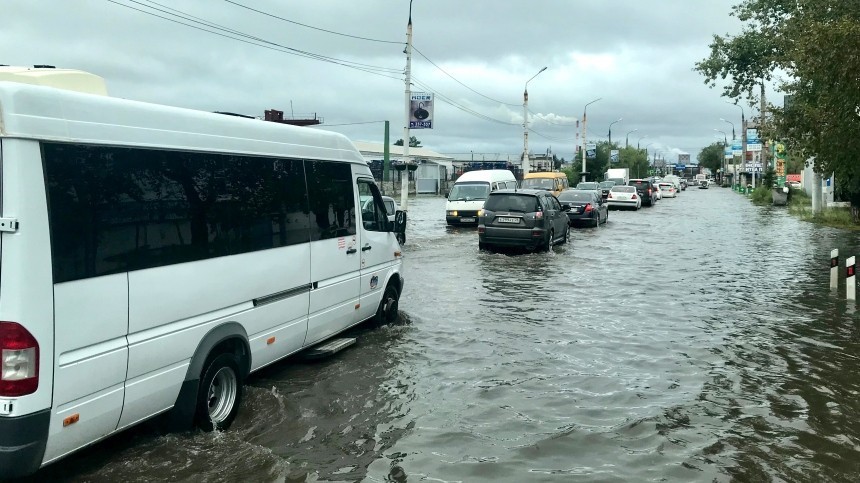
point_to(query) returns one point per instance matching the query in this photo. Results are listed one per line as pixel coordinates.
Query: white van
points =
(471, 190)
(152, 257)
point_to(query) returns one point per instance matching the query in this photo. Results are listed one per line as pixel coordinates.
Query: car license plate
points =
(503, 219)
(467, 220)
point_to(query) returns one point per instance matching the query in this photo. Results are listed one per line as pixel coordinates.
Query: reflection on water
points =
(693, 341)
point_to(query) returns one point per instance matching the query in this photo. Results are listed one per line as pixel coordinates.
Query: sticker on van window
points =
(374, 281)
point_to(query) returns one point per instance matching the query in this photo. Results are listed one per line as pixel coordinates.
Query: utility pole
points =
(404, 180)
(764, 151)
(584, 131)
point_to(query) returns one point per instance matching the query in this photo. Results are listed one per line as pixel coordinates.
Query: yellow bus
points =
(552, 181)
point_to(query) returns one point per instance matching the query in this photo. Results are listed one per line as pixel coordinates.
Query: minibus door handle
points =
(366, 248)
(351, 251)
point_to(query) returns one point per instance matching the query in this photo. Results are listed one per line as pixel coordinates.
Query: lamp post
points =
(627, 137)
(584, 132)
(733, 127)
(725, 140)
(610, 130)
(640, 139)
(723, 162)
(743, 139)
(526, 162)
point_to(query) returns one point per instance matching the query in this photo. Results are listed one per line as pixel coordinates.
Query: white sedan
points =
(668, 190)
(623, 197)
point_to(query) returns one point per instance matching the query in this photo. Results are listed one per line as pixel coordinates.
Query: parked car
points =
(389, 203)
(605, 186)
(667, 190)
(645, 190)
(584, 207)
(795, 185)
(532, 219)
(588, 185)
(624, 197)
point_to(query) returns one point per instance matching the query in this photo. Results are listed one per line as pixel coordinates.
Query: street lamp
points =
(610, 130)
(526, 162)
(743, 118)
(733, 127)
(627, 138)
(637, 142)
(723, 163)
(725, 141)
(584, 132)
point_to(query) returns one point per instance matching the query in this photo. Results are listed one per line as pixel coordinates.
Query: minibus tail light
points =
(19, 361)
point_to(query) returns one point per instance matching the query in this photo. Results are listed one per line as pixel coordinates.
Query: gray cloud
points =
(638, 56)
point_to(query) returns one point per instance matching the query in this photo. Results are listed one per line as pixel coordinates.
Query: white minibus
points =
(152, 257)
(471, 190)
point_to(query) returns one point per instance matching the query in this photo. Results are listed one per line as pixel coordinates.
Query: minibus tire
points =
(387, 311)
(221, 386)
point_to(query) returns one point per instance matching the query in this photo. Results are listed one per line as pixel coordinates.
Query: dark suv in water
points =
(646, 190)
(531, 219)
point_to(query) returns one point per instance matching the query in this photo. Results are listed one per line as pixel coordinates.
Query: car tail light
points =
(588, 207)
(633, 197)
(539, 215)
(610, 195)
(649, 191)
(481, 229)
(19, 360)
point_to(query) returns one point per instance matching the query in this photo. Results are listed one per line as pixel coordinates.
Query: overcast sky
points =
(636, 55)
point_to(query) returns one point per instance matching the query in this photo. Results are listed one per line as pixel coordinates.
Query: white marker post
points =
(834, 268)
(850, 284)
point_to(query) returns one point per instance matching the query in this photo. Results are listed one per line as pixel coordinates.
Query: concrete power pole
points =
(404, 180)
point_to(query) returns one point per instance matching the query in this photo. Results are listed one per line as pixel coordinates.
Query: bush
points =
(762, 196)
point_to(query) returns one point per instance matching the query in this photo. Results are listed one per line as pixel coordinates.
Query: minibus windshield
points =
(539, 183)
(469, 191)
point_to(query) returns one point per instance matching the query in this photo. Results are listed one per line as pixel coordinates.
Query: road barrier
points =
(834, 268)
(850, 275)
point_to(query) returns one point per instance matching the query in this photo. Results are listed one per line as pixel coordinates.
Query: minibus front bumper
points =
(22, 443)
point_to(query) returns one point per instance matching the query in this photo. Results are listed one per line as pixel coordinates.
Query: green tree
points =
(816, 43)
(711, 156)
(413, 142)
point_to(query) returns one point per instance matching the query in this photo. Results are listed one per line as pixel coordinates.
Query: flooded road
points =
(692, 341)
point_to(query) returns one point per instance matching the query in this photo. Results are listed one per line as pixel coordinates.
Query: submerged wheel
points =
(219, 394)
(597, 221)
(549, 238)
(387, 311)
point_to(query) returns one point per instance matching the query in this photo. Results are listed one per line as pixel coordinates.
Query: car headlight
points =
(452, 213)
(480, 212)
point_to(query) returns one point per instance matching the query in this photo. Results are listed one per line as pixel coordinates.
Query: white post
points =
(404, 180)
(834, 268)
(584, 131)
(850, 284)
(526, 164)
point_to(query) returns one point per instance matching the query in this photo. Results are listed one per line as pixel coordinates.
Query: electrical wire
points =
(258, 42)
(459, 106)
(312, 27)
(457, 81)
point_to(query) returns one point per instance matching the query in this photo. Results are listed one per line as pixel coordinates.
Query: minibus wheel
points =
(387, 311)
(219, 394)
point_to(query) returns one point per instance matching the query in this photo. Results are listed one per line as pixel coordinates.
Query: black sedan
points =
(584, 207)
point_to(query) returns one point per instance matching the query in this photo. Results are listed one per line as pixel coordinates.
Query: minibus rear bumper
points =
(22, 443)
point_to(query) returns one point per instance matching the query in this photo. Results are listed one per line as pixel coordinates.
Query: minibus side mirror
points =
(399, 226)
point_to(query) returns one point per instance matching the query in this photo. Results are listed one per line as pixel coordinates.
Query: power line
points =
(312, 27)
(465, 109)
(259, 42)
(347, 124)
(457, 81)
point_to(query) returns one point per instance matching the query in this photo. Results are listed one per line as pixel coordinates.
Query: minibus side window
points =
(116, 209)
(331, 198)
(373, 214)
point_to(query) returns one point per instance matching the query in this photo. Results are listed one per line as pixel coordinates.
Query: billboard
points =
(613, 156)
(683, 158)
(421, 110)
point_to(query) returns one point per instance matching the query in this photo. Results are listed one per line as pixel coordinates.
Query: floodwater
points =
(693, 341)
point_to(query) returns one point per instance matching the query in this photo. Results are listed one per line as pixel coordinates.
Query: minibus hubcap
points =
(222, 394)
